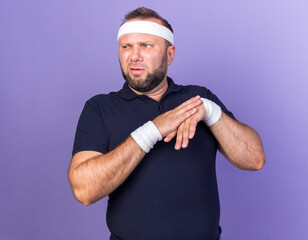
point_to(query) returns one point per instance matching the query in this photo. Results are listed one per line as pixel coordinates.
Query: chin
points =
(138, 78)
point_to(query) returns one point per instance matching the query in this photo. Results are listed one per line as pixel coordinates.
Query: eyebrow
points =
(139, 43)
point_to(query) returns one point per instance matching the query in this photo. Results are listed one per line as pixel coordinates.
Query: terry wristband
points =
(213, 112)
(146, 136)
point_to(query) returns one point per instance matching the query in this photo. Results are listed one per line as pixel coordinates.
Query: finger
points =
(191, 103)
(181, 118)
(192, 127)
(182, 111)
(179, 137)
(185, 138)
(191, 100)
(169, 137)
(169, 121)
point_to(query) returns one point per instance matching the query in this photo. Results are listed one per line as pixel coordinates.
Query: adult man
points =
(169, 192)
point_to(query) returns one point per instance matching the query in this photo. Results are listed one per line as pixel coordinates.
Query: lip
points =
(136, 70)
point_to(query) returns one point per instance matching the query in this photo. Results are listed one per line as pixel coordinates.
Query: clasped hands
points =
(181, 122)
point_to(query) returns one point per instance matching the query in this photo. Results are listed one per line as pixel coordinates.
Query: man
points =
(157, 189)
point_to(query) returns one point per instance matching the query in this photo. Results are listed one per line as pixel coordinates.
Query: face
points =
(144, 59)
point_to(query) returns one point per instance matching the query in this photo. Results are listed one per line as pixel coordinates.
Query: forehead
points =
(142, 37)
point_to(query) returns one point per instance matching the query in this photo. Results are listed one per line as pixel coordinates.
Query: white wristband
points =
(213, 112)
(146, 136)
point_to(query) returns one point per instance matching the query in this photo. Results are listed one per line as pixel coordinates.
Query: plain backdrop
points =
(54, 55)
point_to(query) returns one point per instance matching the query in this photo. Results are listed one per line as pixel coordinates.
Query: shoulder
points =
(100, 100)
(103, 97)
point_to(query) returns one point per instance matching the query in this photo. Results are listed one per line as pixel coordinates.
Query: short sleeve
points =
(90, 133)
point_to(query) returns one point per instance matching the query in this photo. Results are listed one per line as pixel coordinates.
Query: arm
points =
(240, 144)
(94, 175)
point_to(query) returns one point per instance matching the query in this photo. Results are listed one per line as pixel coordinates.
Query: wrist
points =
(213, 112)
(147, 136)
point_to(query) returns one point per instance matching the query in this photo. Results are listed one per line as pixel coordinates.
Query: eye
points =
(147, 45)
(124, 46)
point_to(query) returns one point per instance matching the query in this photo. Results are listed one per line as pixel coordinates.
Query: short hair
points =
(145, 13)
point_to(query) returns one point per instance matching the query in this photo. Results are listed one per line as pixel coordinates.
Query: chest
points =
(123, 117)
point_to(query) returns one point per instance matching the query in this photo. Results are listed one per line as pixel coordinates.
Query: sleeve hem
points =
(89, 148)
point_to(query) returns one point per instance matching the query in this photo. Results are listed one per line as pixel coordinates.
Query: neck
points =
(157, 92)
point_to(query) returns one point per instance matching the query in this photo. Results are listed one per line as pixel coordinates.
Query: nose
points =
(136, 54)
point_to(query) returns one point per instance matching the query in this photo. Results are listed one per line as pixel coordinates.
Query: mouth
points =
(136, 70)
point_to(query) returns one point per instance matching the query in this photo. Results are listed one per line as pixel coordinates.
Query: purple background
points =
(54, 55)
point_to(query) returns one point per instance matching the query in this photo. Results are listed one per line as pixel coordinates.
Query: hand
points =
(187, 129)
(169, 122)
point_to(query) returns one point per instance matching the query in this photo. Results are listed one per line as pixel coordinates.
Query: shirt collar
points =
(129, 94)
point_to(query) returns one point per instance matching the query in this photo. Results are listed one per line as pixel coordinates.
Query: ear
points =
(170, 54)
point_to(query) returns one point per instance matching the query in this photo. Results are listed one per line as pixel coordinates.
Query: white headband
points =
(146, 27)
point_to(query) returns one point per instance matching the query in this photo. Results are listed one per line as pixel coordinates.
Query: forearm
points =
(98, 176)
(93, 175)
(239, 143)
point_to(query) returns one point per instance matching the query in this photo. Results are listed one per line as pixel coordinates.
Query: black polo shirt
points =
(171, 194)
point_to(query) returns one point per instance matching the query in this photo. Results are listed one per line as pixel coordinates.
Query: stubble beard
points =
(151, 81)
